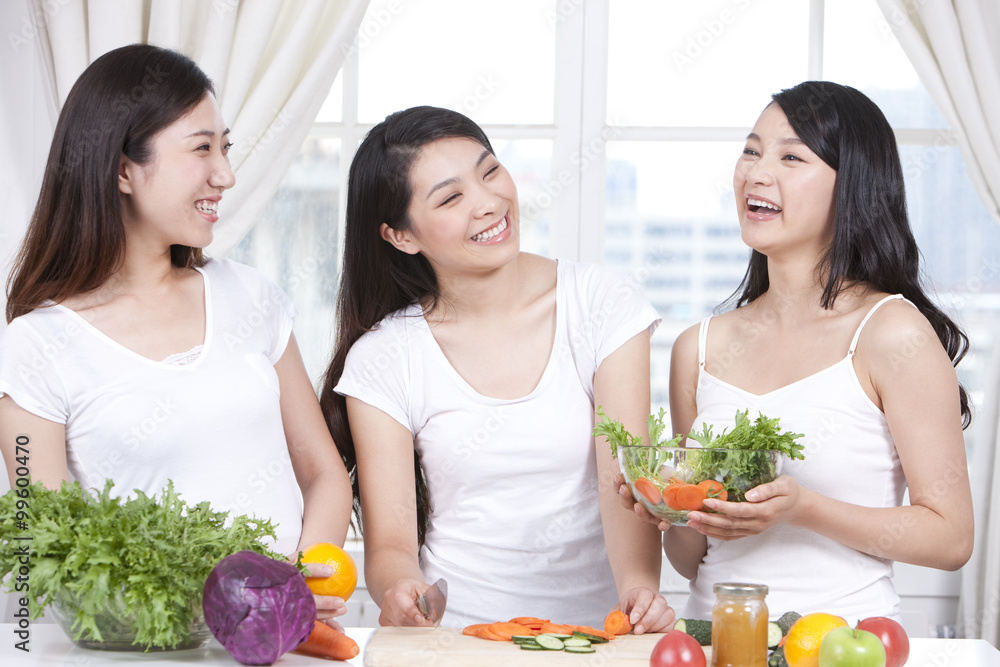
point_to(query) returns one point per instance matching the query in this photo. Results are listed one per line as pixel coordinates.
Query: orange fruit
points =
(345, 573)
(805, 636)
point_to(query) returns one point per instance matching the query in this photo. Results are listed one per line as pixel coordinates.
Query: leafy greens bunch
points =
(741, 466)
(739, 461)
(644, 462)
(152, 554)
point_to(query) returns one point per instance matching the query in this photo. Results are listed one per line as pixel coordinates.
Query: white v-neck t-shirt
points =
(515, 526)
(212, 425)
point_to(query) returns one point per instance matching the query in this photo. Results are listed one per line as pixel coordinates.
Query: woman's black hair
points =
(76, 237)
(872, 240)
(376, 279)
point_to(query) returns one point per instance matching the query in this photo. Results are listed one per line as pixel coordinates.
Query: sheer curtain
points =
(273, 62)
(953, 47)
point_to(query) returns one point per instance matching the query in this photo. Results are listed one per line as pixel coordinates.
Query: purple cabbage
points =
(257, 607)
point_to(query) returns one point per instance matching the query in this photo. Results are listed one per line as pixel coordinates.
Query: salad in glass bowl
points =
(670, 481)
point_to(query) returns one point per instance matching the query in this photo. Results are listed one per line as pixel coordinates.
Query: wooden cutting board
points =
(447, 647)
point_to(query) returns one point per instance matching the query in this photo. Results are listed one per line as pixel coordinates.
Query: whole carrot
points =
(325, 642)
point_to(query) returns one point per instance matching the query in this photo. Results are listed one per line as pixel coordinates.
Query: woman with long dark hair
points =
(833, 334)
(463, 387)
(132, 357)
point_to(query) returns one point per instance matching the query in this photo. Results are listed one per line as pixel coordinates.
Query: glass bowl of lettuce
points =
(670, 481)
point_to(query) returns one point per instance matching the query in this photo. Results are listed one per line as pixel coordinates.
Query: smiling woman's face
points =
(463, 209)
(784, 191)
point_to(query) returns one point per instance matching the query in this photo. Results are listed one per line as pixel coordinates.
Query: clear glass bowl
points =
(651, 470)
(117, 627)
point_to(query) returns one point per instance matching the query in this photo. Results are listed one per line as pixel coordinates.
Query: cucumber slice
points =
(593, 639)
(559, 636)
(550, 642)
(580, 649)
(774, 634)
(531, 647)
(575, 641)
(521, 639)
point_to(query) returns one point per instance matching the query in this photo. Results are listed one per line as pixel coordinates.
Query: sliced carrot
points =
(508, 630)
(530, 620)
(713, 489)
(670, 496)
(325, 642)
(473, 630)
(557, 629)
(488, 633)
(689, 497)
(648, 490)
(617, 623)
(586, 629)
(674, 479)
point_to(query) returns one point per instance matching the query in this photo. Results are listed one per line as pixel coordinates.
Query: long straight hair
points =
(872, 240)
(377, 279)
(76, 237)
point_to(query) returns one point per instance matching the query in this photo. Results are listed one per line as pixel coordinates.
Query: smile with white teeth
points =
(756, 204)
(207, 206)
(491, 232)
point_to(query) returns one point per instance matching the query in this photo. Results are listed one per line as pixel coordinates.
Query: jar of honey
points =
(739, 625)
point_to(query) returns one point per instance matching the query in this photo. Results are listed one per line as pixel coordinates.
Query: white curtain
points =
(273, 63)
(954, 48)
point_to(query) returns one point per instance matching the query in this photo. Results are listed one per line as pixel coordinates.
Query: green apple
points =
(849, 647)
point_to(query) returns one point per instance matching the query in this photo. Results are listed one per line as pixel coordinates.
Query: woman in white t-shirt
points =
(132, 357)
(833, 334)
(463, 388)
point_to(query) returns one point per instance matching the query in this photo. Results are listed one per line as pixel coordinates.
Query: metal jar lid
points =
(746, 590)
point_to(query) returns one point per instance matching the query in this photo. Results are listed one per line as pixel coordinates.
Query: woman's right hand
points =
(399, 604)
(629, 502)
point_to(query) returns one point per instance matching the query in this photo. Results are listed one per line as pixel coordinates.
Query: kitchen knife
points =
(432, 603)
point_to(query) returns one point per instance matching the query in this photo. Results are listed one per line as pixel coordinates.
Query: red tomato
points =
(676, 649)
(893, 637)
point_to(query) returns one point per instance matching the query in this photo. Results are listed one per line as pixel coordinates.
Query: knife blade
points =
(432, 603)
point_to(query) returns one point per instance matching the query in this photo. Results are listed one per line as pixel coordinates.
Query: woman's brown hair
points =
(76, 239)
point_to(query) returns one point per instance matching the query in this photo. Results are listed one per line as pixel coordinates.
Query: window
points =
(621, 122)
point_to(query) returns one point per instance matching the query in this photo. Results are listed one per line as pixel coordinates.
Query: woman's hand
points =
(328, 607)
(647, 611)
(766, 505)
(629, 502)
(399, 604)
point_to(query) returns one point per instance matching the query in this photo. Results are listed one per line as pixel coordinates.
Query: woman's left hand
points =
(766, 505)
(328, 607)
(647, 611)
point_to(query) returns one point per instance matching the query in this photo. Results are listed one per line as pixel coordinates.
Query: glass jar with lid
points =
(739, 625)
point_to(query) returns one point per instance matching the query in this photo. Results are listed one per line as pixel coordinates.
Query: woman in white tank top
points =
(833, 334)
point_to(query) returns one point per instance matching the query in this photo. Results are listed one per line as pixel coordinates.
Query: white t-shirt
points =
(515, 525)
(213, 426)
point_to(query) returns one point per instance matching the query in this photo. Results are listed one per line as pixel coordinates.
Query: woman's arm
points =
(621, 388)
(685, 547)
(900, 358)
(319, 470)
(384, 450)
(46, 446)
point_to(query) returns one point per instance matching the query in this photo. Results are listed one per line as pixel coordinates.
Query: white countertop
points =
(49, 646)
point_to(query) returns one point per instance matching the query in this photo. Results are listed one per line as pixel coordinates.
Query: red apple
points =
(677, 649)
(893, 637)
(849, 647)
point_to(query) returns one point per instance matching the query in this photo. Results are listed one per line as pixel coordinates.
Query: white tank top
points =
(849, 455)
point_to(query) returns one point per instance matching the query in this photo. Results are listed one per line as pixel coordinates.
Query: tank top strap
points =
(703, 341)
(857, 334)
